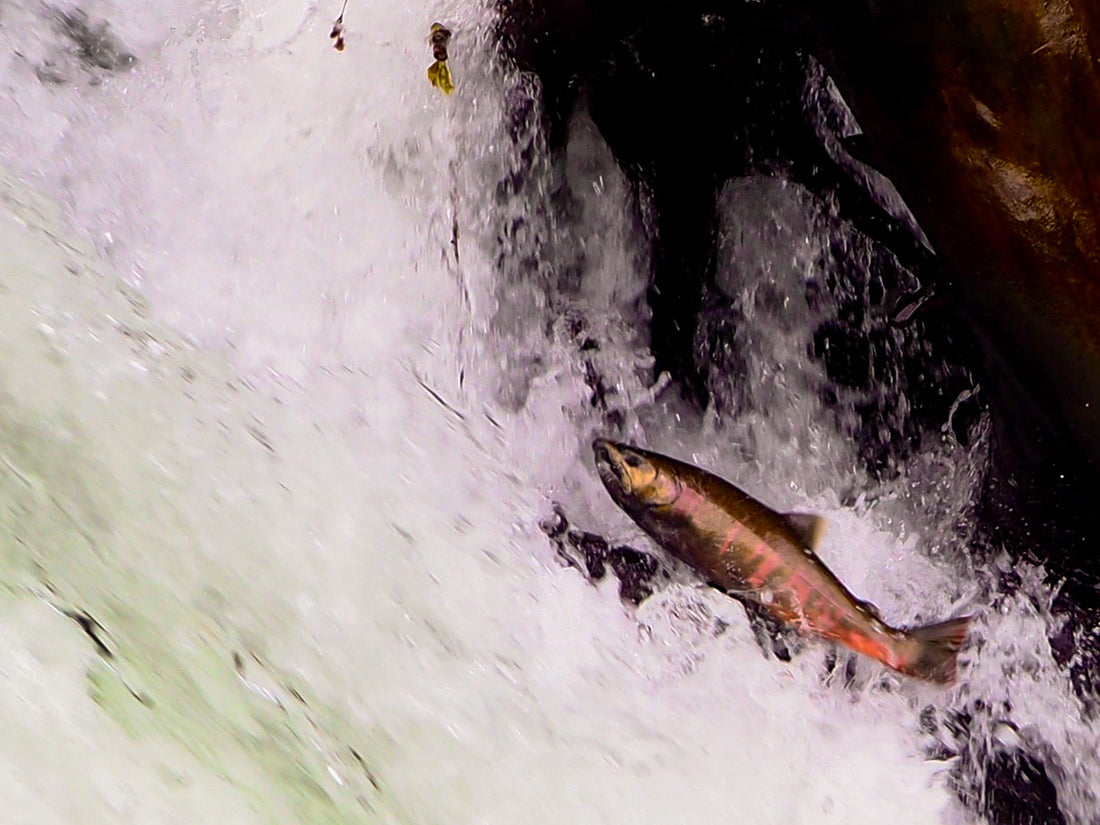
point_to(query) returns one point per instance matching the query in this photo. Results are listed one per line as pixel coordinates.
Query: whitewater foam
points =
(253, 425)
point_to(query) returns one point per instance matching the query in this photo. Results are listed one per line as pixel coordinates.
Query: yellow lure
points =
(440, 76)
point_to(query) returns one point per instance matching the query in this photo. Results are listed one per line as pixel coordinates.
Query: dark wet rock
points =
(638, 573)
(983, 115)
(555, 526)
(50, 74)
(690, 95)
(1008, 786)
(1016, 791)
(593, 551)
(1076, 645)
(996, 770)
(83, 49)
(97, 46)
(687, 99)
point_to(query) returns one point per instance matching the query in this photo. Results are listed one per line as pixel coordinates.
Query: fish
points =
(747, 550)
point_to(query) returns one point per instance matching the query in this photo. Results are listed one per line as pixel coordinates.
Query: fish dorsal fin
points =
(807, 527)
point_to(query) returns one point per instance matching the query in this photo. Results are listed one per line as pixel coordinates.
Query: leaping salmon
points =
(747, 549)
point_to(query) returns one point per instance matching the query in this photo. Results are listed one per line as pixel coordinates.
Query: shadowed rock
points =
(992, 771)
(97, 47)
(982, 113)
(592, 555)
(688, 96)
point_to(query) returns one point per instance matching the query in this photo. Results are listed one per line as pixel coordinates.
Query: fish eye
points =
(632, 460)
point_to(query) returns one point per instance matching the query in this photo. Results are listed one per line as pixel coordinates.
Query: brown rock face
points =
(986, 115)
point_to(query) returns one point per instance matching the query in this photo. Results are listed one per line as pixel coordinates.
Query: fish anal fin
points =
(807, 526)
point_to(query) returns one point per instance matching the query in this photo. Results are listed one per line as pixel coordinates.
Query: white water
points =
(227, 279)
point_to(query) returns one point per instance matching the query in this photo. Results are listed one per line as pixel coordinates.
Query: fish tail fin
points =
(934, 650)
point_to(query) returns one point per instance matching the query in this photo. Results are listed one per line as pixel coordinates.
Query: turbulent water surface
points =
(297, 355)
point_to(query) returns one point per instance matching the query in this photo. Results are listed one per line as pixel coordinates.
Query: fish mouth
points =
(609, 465)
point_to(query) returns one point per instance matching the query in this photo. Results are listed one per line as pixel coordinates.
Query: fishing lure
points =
(438, 73)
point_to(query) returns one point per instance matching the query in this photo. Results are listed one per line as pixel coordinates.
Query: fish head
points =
(636, 480)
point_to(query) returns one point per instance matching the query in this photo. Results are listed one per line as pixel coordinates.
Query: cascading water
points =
(287, 385)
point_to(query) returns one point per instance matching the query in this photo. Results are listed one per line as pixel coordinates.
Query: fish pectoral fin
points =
(807, 526)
